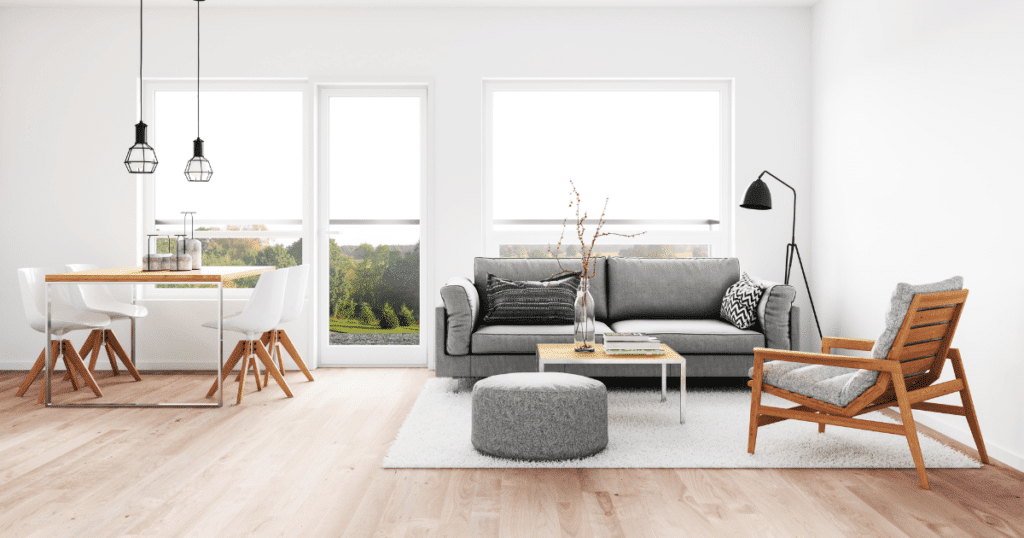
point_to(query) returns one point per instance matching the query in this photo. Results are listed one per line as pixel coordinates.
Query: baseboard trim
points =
(963, 435)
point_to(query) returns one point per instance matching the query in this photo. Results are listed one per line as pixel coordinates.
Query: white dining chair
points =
(98, 298)
(294, 300)
(64, 318)
(261, 314)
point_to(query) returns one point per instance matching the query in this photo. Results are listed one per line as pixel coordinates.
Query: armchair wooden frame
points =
(906, 378)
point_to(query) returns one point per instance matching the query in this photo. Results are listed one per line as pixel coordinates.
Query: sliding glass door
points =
(371, 159)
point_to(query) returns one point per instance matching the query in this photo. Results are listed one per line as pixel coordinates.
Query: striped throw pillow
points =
(544, 302)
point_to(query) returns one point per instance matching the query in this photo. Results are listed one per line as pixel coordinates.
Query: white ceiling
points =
(420, 3)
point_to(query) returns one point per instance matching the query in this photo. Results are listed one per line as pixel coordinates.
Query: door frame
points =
(364, 355)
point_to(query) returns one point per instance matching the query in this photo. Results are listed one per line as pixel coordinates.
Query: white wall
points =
(67, 107)
(918, 133)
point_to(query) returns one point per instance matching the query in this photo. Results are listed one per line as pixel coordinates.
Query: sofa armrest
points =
(440, 331)
(460, 320)
(775, 313)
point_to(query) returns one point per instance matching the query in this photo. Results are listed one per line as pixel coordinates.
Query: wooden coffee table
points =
(565, 354)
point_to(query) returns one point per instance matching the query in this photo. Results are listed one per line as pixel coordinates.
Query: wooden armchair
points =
(905, 378)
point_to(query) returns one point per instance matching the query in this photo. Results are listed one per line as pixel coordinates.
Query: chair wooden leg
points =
(821, 427)
(755, 404)
(269, 363)
(266, 340)
(232, 360)
(76, 362)
(110, 353)
(255, 366)
(93, 346)
(245, 368)
(910, 429)
(113, 342)
(54, 354)
(968, 403)
(33, 373)
(86, 348)
(287, 342)
(69, 372)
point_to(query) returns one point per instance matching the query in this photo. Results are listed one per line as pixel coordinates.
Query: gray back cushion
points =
(539, 269)
(687, 288)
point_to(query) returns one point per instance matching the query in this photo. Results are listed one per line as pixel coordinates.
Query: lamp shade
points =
(141, 158)
(758, 196)
(198, 168)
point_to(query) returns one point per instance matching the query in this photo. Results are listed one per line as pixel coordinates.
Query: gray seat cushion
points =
(539, 269)
(540, 416)
(830, 384)
(703, 336)
(689, 288)
(491, 339)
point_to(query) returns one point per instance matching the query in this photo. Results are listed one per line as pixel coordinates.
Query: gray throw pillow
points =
(544, 302)
(900, 303)
(739, 306)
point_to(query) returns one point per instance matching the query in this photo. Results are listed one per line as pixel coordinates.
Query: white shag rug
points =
(644, 432)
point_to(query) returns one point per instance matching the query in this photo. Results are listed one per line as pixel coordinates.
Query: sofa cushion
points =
(523, 338)
(539, 269)
(688, 288)
(831, 384)
(531, 302)
(695, 335)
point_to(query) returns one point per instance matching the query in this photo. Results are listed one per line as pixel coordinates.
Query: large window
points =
(660, 151)
(251, 212)
(372, 171)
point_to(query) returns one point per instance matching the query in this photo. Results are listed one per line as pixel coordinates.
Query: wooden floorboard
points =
(309, 466)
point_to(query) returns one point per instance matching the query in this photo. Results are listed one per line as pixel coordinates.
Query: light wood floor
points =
(310, 467)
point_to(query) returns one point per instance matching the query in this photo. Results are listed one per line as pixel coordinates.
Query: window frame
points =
(149, 222)
(721, 240)
(353, 355)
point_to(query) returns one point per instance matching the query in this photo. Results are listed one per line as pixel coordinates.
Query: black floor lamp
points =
(759, 197)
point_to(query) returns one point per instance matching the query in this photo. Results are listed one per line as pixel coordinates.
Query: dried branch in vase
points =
(588, 268)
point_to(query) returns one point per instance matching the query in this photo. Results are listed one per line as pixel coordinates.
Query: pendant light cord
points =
(197, 68)
(140, 61)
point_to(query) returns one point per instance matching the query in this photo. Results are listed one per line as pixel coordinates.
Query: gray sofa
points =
(676, 300)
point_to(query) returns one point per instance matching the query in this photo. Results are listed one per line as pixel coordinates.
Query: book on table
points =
(635, 344)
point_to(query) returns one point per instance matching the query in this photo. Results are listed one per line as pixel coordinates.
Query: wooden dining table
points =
(134, 276)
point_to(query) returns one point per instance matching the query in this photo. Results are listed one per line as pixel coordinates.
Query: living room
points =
(893, 120)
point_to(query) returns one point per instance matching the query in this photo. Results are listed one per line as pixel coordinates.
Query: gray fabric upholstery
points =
(523, 338)
(695, 335)
(773, 313)
(900, 303)
(540, 416)
(539, 269)
(831, 384)
(460, 319)
(688, 288)
(446, 365)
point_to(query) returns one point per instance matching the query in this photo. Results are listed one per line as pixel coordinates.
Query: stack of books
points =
(631, 344)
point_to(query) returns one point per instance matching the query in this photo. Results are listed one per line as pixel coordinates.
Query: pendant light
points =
(198, 169)
(141, 158)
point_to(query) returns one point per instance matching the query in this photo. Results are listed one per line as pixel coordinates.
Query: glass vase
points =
(584, 322)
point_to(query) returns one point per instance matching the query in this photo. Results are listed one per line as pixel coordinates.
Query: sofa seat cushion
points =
(695, 335)
(522, 338)
(831, 384)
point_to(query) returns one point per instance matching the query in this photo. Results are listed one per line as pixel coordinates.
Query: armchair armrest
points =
(862, 363)
(836, 342)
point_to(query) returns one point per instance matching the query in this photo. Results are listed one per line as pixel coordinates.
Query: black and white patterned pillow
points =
(739, 306)
(545, 302)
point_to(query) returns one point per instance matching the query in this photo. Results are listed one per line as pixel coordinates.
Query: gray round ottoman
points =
(540, 416)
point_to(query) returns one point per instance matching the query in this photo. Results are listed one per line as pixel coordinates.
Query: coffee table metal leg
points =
(682, 393)
(664, 381)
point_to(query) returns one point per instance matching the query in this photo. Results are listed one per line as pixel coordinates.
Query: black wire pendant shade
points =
(141, 158)
(198, 168)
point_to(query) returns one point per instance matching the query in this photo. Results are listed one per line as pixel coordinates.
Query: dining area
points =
(85, 300)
